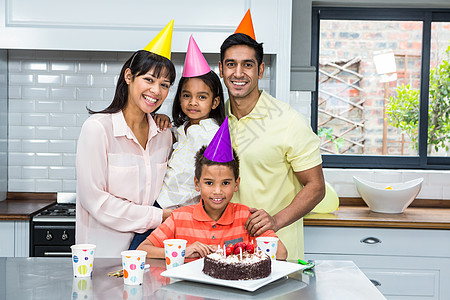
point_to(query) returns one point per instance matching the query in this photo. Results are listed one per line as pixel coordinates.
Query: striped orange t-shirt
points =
(192, 223)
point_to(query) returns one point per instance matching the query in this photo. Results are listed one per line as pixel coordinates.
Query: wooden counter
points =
(23, 209)
(361, 216)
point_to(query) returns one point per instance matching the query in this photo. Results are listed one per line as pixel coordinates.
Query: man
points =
(281, 166)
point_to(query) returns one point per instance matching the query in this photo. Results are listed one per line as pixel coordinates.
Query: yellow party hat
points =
(162, 43)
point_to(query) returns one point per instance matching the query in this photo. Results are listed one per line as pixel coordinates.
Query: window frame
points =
(427, 16)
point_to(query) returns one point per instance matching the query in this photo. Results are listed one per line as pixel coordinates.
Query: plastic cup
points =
(133, 263)
(175, 250)
(268, 245)
(83, 259)
(82, 288)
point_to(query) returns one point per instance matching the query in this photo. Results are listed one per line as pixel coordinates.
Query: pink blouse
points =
(117, 182)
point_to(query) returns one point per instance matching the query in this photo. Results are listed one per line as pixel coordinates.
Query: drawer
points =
(377, 241)
(400, 277)
(405, 282)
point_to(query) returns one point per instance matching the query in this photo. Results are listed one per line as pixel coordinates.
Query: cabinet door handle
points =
(57, 253)
(370, 240)
(375, 283)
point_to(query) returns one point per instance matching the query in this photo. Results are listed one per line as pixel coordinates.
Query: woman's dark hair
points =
(201, 160)
(139, 63)
(213, 82)
(242, 39)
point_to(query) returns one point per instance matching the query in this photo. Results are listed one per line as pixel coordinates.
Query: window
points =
(383, 87)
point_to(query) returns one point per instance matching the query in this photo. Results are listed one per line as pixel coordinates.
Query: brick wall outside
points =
(341, 41)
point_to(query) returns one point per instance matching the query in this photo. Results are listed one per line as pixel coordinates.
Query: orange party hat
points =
(162, 43)
(246, 26)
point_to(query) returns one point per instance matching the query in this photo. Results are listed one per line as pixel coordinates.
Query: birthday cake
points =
(239, 264)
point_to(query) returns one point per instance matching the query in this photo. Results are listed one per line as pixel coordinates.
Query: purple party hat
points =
(195, 63)
(220, 150)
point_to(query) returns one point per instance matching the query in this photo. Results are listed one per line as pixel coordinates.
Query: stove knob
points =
(64, 236)
(49, 236)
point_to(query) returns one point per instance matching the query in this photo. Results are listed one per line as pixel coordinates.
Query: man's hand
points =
(162, 121)
(198, 249)
(259, 221)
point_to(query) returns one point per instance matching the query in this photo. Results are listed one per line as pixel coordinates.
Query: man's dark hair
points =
(242, 39)
(201, 160)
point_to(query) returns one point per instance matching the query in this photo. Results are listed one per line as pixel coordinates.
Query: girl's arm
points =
(162, 121)
(152, 250)
(281, 251)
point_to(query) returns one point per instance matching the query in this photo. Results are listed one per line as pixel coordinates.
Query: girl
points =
(122, 157)
(198, 110)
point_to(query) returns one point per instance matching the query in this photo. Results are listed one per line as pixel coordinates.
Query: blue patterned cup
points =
(268, 245)
(83, 259)
(133, 263)
(175, 250)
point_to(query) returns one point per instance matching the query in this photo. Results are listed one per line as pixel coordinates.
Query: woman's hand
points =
(198, 249)
(166, 213)
(162, 121)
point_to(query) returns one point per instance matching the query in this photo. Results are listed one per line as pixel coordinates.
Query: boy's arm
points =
(152, 250)
(281, 251)
(198, 249)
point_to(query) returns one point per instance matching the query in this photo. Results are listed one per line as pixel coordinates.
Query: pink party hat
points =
(220, 150)
(195, 63)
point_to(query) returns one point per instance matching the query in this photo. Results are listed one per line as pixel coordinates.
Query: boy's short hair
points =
(201, 160)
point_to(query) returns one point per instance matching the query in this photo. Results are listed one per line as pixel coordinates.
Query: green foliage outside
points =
(403, 110)
(327, 134)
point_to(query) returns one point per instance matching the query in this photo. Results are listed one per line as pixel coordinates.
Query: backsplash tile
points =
(48, 95)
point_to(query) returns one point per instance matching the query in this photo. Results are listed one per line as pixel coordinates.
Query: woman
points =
(122, 157)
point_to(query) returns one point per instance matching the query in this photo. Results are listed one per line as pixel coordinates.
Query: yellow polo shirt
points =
(273, 141)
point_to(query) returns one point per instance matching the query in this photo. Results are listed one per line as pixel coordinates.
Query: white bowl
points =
(390, 198)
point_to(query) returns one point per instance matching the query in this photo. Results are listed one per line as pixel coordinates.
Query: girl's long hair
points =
(213, 82)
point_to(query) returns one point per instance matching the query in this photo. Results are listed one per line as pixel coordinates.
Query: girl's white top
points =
(178, 187)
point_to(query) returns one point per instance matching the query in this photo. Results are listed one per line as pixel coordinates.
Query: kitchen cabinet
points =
(117, 25)
(14, 238)
(402, 263)
(3, 124)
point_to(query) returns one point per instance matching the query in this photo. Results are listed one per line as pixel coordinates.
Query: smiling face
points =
(216, 185)
(146, 92)
(197, 100)
(240, 72)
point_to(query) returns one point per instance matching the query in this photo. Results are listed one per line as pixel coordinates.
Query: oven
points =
(53, 229)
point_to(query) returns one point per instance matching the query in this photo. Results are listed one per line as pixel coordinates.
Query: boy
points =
(214, 220)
